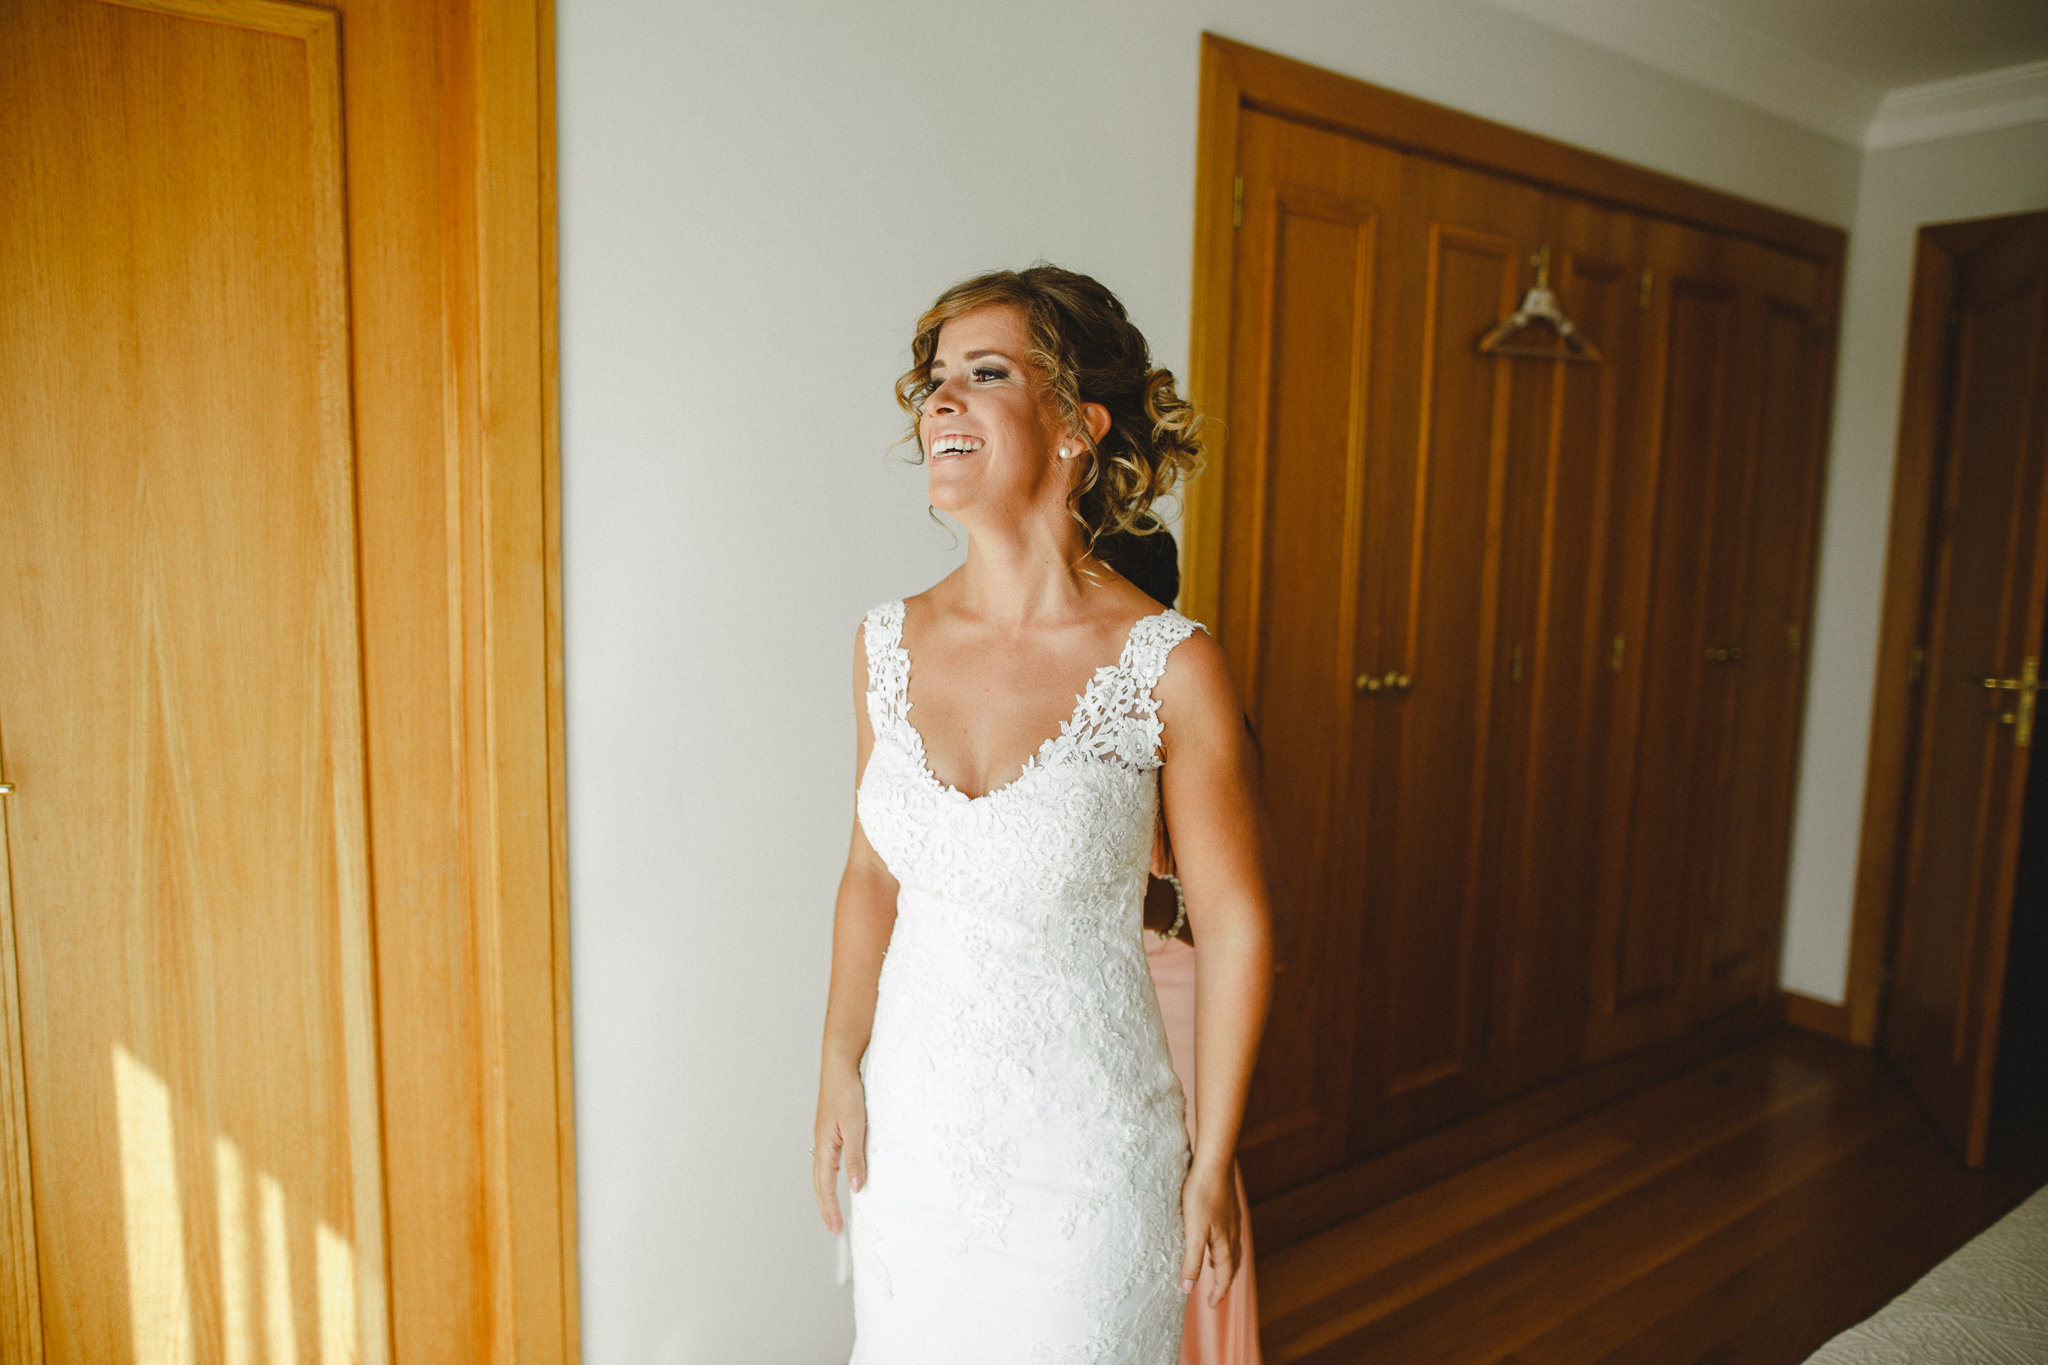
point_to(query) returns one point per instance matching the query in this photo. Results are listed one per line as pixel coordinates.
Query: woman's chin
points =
(948, 495)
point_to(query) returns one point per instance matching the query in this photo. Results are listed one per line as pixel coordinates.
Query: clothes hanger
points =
(1540, 305)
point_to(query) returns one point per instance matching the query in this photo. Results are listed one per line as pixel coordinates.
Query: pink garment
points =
(1227, 1334)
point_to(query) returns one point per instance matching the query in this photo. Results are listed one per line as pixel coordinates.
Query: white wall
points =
(756, 200)
(1977, 176)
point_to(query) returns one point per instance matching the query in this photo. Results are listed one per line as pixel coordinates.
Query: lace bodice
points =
(1015, 1025)
(1080, 816)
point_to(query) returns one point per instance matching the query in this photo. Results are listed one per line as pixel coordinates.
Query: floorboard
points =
(1743, 1212)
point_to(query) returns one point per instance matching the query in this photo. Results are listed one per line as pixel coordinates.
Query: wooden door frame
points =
(1938, 251)
(507, 432)
(1237, 77)
(500, 462)
(503, 464)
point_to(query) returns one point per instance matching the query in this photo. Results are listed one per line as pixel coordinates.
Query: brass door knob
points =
(6, 789)
(1395, 682)
(1365, 682)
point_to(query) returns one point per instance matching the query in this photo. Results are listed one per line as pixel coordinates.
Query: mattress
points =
(1985, 1305)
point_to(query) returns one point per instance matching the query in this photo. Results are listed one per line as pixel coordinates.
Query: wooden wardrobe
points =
(1522, 637)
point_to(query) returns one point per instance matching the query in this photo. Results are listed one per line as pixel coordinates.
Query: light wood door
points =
(285, 1064)
(1314, 301)
(1981, 645)
(187, 837)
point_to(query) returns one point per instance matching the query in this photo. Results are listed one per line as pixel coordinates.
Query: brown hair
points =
(1084, 345)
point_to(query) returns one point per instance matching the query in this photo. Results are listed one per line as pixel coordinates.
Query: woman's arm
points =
(1209, 786)
(861, 922)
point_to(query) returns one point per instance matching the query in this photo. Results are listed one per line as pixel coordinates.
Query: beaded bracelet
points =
(1180, 899)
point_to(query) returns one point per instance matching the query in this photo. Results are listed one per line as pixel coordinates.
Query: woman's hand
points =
(842, 1133)
(1208, 1210)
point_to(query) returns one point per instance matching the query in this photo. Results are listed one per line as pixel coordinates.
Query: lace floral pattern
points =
(1022, 1109)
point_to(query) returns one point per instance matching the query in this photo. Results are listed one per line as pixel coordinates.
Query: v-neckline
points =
(1035, 761)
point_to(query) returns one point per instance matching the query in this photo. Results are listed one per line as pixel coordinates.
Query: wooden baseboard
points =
(1293, 1215)
(1817, 1016)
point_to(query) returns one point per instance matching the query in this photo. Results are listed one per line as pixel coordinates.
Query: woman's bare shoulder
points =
(1197, 677)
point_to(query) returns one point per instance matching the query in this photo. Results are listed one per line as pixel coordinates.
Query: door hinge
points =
(1915, 666)
(1792, 639)
(1614, 656)
(1643, 290)
(1515, 665)
(1237, 202)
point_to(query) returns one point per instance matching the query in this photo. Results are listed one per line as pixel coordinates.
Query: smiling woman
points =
(999, 1091)
(1151, 446)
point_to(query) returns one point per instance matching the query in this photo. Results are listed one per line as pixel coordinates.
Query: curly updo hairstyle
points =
(1083, 344)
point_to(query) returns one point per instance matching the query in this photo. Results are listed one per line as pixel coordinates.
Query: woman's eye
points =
(989, 375)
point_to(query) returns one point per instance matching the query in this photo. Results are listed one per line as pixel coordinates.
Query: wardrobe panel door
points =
(1782, 354)
(1659, 831)
(1561, 563)
(1432, 882)
(1316, 219)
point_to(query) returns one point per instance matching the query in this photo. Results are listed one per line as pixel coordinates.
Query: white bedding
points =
(1985, 1305)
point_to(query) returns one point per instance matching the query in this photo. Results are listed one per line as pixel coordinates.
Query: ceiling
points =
(1829, 64)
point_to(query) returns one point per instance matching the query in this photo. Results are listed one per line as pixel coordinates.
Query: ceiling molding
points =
(1966, 104)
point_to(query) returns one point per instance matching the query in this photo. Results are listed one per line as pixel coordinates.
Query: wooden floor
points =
(1742, 1213)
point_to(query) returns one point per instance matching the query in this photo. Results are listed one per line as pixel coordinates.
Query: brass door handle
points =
(6, 789)
(1731, 655)
(2022, 716)
(1389, 682)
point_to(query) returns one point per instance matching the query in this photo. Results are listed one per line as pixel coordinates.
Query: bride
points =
(995, 1077)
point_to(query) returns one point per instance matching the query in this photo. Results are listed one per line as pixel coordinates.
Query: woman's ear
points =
(1096, 417)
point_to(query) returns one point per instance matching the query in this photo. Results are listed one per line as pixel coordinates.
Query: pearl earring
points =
(1066, 454)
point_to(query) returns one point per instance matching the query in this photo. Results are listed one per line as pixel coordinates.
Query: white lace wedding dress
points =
(1025, 1143)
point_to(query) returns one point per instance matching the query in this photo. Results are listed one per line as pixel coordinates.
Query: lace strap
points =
(1118, 716)
(1152, 639)
(888, 666)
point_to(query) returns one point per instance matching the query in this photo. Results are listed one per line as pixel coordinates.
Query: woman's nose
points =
(944, 398)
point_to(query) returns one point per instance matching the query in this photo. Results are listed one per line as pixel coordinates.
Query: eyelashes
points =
(982, 374)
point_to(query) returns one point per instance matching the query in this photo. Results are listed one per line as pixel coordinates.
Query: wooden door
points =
(1756, 646)
(1543, 826)
(273, 978)
(1313, 300)
(1562, 677)
(1664, 772)
(1464, 469)
(1981, 644)
(187, 838)
(1710, 636)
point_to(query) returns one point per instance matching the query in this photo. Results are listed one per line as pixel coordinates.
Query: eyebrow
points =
(974, 355)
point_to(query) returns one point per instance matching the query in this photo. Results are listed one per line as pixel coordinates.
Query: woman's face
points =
(991, 433)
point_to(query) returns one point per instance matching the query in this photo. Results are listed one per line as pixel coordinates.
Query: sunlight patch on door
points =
(337, 1299)
(279, 1329)
(159, 1300)
(230, 1185)
(256, 1316)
